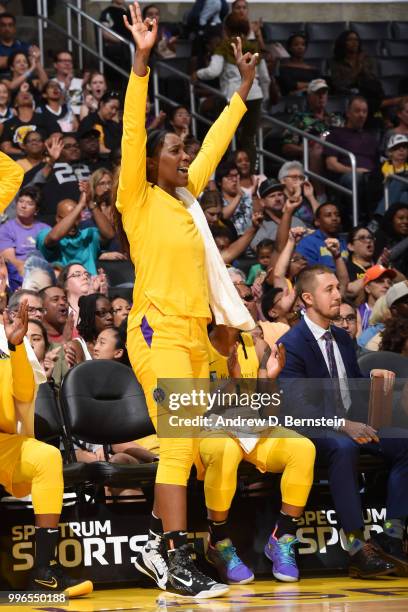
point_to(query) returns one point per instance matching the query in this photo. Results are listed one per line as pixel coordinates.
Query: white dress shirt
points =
(318, 333)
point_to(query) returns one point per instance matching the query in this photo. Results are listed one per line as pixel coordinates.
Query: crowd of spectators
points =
(65, 129)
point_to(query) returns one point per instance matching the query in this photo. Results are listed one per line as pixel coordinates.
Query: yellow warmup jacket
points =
(249, 364)
(165, 245)
(17, 389)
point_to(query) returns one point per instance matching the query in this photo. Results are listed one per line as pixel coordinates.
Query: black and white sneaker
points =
(186, 580)
(152, 561)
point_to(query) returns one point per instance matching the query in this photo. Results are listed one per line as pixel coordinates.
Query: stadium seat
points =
(323, 31)
(384, 360)
(103, 403)
(390, 86)
(319, 50)
(393, 67)
(280, 32)
(400, 30)
(396, 48)
(371, 30)
(119, 273)
(48, 427)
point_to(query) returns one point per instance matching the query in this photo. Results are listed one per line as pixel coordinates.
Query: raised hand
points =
(54, 146)
(333, 245)
(234, 369)
(276, 361)
(16, 328)
(246, 65)
(144, 32)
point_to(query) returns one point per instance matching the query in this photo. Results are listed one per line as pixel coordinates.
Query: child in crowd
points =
(264, 252)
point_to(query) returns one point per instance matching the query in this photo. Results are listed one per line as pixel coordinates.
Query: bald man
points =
(66, 243)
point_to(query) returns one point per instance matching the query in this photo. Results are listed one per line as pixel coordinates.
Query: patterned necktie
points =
(334, 373)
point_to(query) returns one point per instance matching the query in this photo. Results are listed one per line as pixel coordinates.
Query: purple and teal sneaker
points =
(229, 566)
(282, 554)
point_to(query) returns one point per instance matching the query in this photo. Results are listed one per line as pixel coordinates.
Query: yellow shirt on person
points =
(247, 359)
(165, 245)
(11, 177)
(389, 168)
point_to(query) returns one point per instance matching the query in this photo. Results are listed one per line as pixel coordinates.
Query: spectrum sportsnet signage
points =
(100, 541)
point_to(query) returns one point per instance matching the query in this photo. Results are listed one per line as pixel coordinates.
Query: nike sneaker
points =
(282, 554)
(391, 549)
(231, 569)
(186, 580)
(53, 579)
(152, 561)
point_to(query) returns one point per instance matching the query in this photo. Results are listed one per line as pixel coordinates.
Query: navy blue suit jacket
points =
(304, 360)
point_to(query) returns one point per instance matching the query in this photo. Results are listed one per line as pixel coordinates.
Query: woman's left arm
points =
(11, 177)
(221, 133)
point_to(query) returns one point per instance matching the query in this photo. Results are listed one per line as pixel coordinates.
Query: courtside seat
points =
(384, 360)
(119, 273)
(392, 67)
(103, 403)
(396, 48)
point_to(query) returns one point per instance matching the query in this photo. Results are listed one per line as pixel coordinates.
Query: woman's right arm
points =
(11, 177)
(132, 179)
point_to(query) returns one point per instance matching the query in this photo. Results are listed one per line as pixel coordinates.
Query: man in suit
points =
(317, 350)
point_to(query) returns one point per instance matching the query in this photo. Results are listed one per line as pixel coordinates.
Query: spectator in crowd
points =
(6, 110)
(120, 309)
(22, 68)
(211, 202)
(295, 74)
(315, 120)
(397, 163)
(353, 71)
(354, 137)
(38, 273)
(206, 17)
(240, 8)
(54, 107)
(90, 150)
(70, 85)
(370, 338)
(18, 236)
(273, 202)
(347, 319)
(76, 281)
(113, 47)
(110, 344)
(37, 337)
(105, 121)
(402, 125)
(101, 183)
(95, 88)
(56, 320)
(316, 350)
(395, 337)
(376, 281)
(223, 65)
(33, 146)
(264, 250)
(95, 315)
(249, 182)
(26, 120)
(314, 246)
(231, 249)
(167, 35)
(297, 187)
(237, 205)
(393, 235)
(289, 263)
(65, 242)
(63, 177)
(180, 121)
(9, 44)
(34, 301)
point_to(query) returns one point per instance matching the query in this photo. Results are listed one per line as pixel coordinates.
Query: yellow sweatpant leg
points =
(293, 456)
(41, 464)
(169, 348)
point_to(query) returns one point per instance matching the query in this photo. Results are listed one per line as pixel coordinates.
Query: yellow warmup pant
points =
(293, 456)
(167, 348)
(40, 464)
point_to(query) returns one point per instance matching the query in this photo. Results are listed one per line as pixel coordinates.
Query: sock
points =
(156, 527)
(394, 528)
(218, 530)
(355, 541)
(285, 525)
(45, 543)
(175, 539)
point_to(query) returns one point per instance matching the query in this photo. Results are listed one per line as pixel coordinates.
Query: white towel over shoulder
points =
(225, 302)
